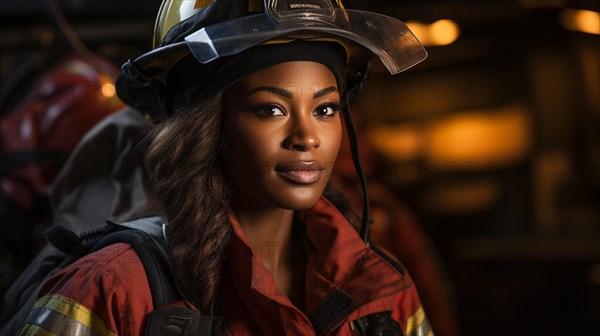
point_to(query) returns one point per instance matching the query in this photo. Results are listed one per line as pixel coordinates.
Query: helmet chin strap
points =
(351, 130)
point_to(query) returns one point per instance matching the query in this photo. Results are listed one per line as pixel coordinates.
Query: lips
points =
(303, 172)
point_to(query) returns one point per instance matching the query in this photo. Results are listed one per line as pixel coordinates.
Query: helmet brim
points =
(384, 36)
(357, 31)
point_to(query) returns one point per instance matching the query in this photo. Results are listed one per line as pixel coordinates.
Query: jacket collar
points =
(338, 261)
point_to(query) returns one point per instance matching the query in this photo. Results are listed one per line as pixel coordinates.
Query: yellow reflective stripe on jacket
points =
(43, 320)
(35, 330)
(58, 314)
(417, 324)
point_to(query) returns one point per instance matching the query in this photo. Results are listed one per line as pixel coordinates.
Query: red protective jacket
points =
(107, 291)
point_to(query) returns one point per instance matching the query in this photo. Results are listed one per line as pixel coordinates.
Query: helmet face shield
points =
(386, 37)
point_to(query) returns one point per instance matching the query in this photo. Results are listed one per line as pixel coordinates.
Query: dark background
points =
(493, 142)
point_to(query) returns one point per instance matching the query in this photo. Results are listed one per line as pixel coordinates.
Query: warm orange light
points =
(474, 140)
(439, 33)
(486, 138)
(108, 90)
(403, 142)
(582, 20)
(421, 30)
(444, 32)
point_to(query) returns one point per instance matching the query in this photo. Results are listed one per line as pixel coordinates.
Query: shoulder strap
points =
(148, 239)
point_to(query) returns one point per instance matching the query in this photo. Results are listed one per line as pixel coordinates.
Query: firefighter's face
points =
(283, 134)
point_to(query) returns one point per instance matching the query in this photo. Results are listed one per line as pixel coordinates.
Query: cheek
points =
(248, 152)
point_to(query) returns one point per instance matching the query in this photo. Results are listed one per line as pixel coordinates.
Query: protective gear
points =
(228, 27)
(346, 281)
(325, 19)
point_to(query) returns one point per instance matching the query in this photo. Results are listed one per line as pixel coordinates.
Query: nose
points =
(302, 135)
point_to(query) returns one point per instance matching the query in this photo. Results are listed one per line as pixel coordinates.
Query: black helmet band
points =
(190, 82)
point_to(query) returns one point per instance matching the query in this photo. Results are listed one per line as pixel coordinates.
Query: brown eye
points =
(269, 110)
(326, 110)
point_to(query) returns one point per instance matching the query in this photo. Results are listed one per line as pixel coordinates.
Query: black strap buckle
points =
(378, 324)
(178, 321)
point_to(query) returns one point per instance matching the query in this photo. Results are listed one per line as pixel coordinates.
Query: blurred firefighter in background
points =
(46, 107)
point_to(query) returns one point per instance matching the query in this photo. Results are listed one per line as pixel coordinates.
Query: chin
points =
(297, 199)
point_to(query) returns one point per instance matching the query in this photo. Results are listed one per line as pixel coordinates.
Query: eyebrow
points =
(278, 91)
(289, 94)
(325, 91)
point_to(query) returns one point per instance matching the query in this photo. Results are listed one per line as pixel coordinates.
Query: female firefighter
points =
(248, 99)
